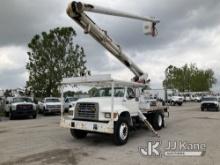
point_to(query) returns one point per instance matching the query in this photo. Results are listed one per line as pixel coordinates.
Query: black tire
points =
(158, 121)
(35, 116)
(121, 131)
(202, 109)
(78, 134)
(180, 104)
(44, 112)
(11, 116)
(39, 111)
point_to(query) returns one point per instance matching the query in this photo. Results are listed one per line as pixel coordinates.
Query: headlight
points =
(108, 115)
(71, 105)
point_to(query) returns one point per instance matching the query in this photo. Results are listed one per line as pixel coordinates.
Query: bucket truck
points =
(117, 106)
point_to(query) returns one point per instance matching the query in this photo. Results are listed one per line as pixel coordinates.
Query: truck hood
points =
(209, 102)
(104, 102)
(23, 103)
(57, 103)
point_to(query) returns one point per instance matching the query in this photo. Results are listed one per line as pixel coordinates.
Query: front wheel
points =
(11, 116)
(78, 134)
(121, 131)
(180, 104)
(35, 116)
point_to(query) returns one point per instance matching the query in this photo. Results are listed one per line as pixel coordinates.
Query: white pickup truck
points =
(50, 105)
(210, 103)
(69, 102)
(176, 100)
(114, 109)
(20, 106)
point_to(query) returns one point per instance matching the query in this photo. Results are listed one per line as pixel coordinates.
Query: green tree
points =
(69, 94)
(53, 56)
(189, 78)
(92, 91)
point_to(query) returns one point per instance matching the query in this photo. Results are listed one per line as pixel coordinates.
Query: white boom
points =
(76, 10)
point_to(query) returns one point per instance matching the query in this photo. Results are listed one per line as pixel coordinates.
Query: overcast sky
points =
(189, 32)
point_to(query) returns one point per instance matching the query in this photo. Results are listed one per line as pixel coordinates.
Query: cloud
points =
(12, 67)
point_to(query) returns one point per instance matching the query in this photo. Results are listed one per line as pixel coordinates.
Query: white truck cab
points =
(50, 105)
(114, 109)
(210, 103)
(20, 106)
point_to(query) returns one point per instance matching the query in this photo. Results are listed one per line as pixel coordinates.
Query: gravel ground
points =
(42, 141)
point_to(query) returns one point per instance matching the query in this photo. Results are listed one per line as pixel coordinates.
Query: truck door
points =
(131, 102)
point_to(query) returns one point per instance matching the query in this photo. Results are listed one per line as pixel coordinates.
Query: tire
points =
(157, 121)
(180, 104)
(78, 134)
(121, 131)
(202, 109)
(35, 116)
(44, 112)
(11, 116)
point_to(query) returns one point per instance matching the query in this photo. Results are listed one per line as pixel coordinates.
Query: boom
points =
(76, 10)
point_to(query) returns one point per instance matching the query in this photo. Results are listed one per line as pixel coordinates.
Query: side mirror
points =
(7, 102)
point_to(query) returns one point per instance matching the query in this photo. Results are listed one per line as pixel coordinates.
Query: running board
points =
(147, 124)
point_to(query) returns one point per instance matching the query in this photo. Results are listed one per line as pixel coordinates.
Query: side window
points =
(66, 100)
(130, 93)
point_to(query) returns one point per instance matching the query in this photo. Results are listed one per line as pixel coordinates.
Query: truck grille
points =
(24, 107)
(88, 111)
(209, 105)
(53, 106)
(153, 103)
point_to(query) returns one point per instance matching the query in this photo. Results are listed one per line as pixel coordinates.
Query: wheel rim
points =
(123, 131)
(159, 120)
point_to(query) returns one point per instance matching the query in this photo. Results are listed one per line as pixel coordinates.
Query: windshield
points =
(22, 99)
(53, 100)
(73, 99)
(210, 99)
(107, 92)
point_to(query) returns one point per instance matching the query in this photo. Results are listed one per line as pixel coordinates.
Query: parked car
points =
(210, 103)
(50, 105)
(69, 102)
(176, 100)
(187, 98)
(198, 98)
(20, 106)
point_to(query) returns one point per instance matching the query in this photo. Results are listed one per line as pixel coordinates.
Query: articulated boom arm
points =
(76, 10)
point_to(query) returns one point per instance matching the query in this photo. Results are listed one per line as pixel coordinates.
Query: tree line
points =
(189, 78)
